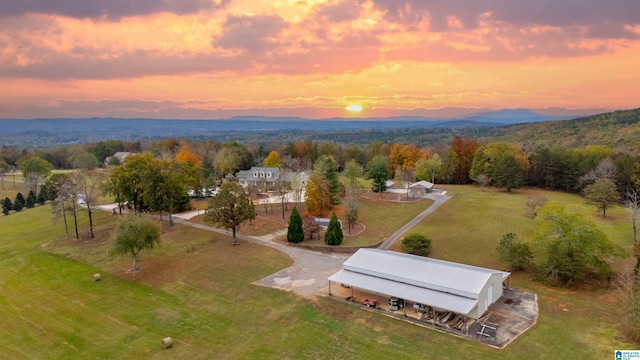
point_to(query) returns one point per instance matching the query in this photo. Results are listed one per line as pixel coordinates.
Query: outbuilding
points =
(439, 285)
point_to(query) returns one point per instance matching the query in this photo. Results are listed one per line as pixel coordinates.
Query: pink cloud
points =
(251, 33)
(111, 10)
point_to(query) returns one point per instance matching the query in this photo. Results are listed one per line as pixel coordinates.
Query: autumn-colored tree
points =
(396, 156)
(317, 194)
(310, 227)
(186, 156)
(411, 153)
(273, 160)
(465, 148)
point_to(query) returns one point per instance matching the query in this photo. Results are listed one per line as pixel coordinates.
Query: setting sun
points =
(354, 108)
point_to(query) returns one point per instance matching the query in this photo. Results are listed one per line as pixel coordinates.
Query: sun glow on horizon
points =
(354, 108)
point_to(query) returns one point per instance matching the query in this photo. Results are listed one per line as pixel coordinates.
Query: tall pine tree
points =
(295, 234)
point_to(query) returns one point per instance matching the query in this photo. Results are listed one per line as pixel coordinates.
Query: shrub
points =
(416, 244)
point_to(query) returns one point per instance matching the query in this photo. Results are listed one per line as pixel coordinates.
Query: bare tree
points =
(534, 201)
(483, 180)
(298, 184)
(88, 184)
(408, 176)
(632, 204)
(606, 169)
(283, 189)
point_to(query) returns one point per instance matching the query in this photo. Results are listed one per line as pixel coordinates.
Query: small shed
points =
(463, 289)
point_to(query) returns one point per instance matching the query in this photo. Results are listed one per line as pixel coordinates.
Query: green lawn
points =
(383, 218)
(198, 289)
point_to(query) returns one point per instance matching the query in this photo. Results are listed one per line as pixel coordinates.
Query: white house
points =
(120, 155)
(443, 285)
(258, 175)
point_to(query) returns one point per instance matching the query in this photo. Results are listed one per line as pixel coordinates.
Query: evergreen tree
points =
(6, 206)
(295, 233)
(30, 202)
(42, 198)
(333, 235)
(18, 203)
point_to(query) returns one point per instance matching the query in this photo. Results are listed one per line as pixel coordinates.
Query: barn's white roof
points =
(439, 283)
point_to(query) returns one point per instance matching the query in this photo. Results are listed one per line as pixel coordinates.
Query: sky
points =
(208, 59)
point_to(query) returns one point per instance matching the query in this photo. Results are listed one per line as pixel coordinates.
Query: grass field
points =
(198, 289)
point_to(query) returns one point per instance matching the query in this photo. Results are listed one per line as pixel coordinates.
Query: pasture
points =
(198, 289)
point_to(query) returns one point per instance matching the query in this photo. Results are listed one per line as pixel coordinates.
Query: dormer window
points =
(269, 174)
(255, 174)
(261, 173)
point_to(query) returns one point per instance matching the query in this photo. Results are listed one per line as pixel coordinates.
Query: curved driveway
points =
(310, 270)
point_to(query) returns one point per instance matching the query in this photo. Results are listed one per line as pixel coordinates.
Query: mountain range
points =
(53, 132)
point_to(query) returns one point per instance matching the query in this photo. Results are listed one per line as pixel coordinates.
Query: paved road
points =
(438, 199)
(310, 270)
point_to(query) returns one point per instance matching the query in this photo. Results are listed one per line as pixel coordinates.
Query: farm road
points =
(438, 199)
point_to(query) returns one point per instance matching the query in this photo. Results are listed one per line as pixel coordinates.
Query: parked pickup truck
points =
(370, 302)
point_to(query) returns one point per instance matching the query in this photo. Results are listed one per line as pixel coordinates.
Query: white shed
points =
(463, 289)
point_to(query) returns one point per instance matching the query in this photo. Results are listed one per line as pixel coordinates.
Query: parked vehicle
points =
(370, 303)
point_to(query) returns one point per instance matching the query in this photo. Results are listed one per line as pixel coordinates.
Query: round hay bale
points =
(167, 342)
(97, 277)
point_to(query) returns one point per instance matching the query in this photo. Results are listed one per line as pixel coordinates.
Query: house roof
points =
(422, 184)
(269, 174)
(439, 283)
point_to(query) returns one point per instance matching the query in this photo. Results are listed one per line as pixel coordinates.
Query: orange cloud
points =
(203, 57)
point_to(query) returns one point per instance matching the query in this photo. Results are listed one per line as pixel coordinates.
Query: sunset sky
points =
(206, 59)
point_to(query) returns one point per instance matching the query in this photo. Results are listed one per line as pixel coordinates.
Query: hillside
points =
(619, 130)
(44, 133)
